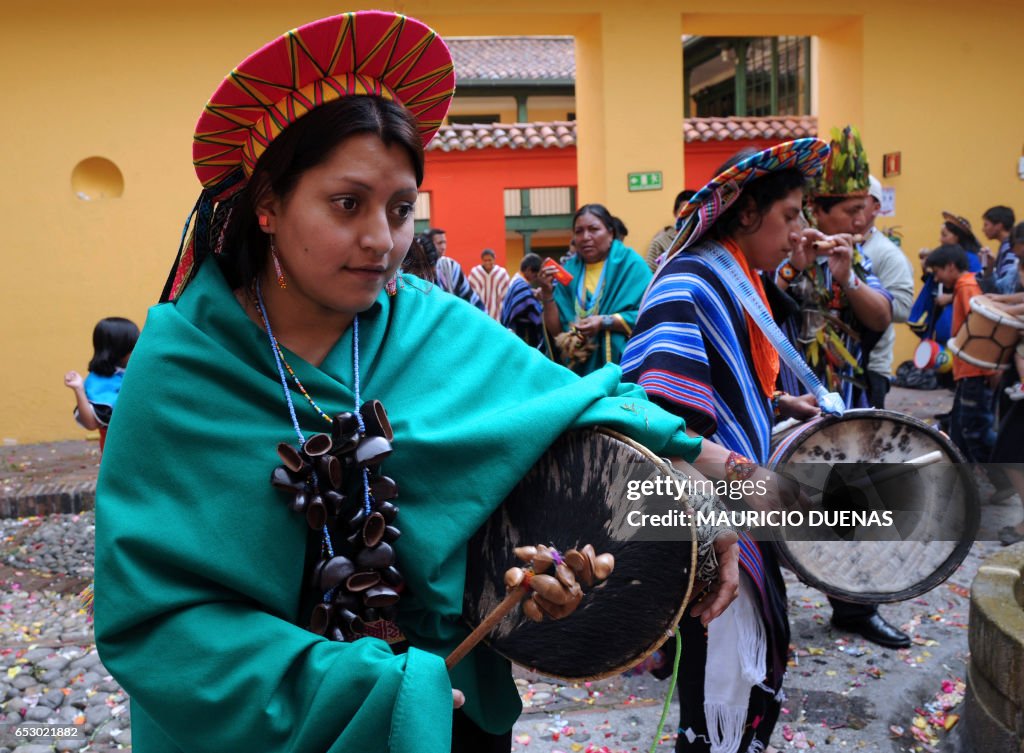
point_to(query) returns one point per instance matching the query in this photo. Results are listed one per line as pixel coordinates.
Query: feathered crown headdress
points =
(846, 171)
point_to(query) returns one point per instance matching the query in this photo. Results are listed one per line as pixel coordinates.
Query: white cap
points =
(875, 188)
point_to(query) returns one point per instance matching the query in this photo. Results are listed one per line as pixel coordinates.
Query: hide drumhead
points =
(569, 499)
(935, 507)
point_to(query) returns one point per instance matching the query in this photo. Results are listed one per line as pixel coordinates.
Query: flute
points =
(824, 247)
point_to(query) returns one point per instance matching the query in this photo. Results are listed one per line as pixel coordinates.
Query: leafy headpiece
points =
(846, 171)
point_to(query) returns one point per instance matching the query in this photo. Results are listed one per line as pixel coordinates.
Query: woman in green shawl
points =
(206, 581)
(591, 318)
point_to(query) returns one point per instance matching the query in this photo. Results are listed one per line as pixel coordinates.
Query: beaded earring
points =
(281, 282)
(391, 286)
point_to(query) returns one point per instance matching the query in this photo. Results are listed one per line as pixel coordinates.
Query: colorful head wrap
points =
(846, 172)
(707, 205)
(363, 52)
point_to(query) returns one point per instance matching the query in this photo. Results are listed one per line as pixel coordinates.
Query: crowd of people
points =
(309, 303)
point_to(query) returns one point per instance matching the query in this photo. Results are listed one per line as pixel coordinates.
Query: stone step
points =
(48, 499)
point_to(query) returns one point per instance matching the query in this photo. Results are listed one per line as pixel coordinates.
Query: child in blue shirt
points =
(113, 340)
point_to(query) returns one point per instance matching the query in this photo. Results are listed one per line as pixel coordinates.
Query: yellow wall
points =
(119, 80)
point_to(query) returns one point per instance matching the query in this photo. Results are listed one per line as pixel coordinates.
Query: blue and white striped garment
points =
(690, 351)
(451, 279)
(523, 313)
(1005, 271)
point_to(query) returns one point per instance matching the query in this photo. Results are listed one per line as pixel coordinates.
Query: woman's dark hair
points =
(302, 146)
(621, 231)
(759, 194)
(113, 339)
(612, 224)
(965, 238)
(422, 258)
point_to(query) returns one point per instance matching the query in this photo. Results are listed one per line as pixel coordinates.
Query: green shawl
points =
(199, 562)
(626, 276)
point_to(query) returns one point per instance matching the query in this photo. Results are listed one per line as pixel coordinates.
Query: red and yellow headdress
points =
(364, 52)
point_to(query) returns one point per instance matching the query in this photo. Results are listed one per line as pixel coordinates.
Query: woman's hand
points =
(546, 282)
(589, 326)
(726, 588)
(458, 698)
(73, 380)
(800, 407)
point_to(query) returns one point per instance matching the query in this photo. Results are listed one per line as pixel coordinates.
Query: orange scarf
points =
(766, 357)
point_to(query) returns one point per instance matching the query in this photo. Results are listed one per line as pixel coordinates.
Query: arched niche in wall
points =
(96, 178)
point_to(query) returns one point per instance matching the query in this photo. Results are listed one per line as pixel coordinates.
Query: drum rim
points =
(958, 352)
(664, 467)
(985, 306)
(945, 569)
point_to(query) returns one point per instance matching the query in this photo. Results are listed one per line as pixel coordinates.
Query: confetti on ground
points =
(961, 591)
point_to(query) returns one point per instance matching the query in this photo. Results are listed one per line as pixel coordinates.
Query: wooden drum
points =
(569, 498)
(988, 335)
(864, 460)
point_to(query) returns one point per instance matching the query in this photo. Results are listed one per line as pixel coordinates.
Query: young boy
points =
(971, 419)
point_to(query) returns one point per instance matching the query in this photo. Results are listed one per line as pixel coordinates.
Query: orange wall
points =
(467, 193)
(704, 158)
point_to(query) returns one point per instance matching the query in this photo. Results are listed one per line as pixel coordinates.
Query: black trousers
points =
(848, 610)
(877, 385)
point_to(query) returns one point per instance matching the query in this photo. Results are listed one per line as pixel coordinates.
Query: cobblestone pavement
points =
(49, 669)
(843, 693)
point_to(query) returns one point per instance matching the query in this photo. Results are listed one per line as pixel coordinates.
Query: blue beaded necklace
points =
(275, 348)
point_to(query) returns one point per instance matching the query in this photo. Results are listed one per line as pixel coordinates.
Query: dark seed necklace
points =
(334, 480)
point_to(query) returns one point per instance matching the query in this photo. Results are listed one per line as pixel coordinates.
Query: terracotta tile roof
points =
(561, 134)
(521, 58)
(783, 127)
(451, 138)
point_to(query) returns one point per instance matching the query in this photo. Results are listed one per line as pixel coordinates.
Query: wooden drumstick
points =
(890, 473)
(507, 604)
(927, 459)
(561, 594)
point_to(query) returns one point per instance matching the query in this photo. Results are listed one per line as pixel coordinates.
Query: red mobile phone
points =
(561, 274)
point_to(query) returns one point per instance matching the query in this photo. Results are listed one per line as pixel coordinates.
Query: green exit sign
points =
(645, 181)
